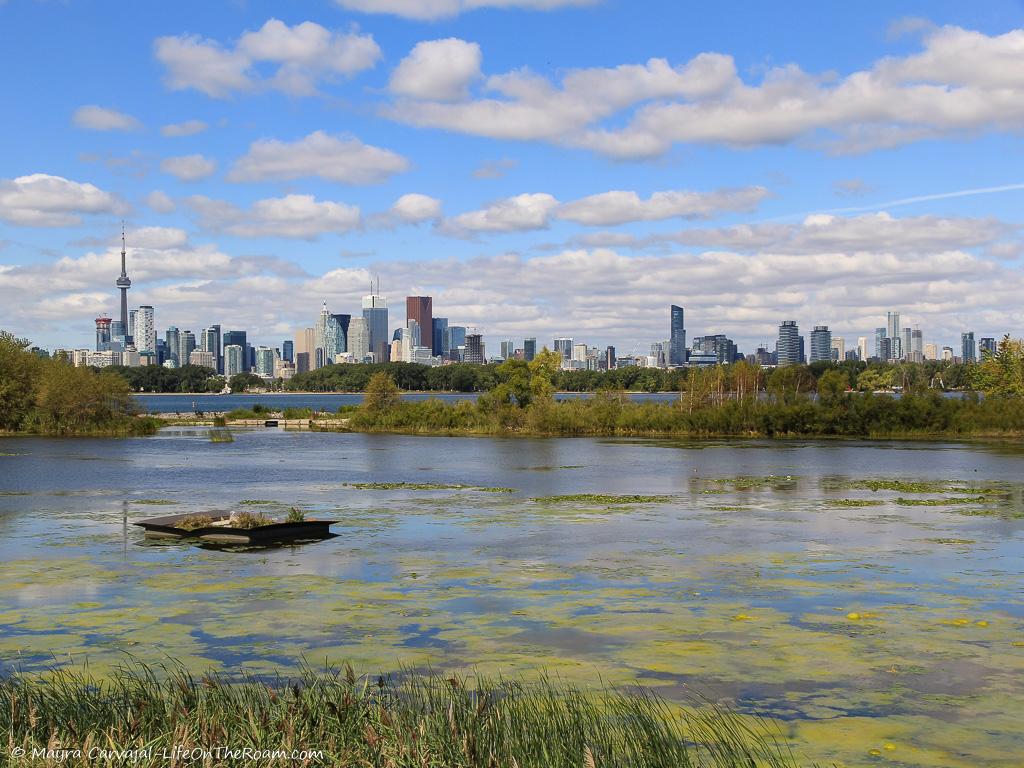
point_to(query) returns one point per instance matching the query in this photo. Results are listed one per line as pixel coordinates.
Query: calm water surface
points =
(885, 634)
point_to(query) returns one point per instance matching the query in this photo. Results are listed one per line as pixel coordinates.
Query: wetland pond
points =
(867, 596)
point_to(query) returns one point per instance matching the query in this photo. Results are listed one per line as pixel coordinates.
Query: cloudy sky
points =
(540, 167)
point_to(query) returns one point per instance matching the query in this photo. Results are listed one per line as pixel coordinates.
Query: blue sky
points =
(547, 167)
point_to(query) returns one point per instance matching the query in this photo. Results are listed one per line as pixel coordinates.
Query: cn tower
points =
(123, 284)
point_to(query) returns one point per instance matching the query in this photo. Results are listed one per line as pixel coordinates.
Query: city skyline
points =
(334, 146)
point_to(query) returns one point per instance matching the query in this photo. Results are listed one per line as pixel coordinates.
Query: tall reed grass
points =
(421, 720)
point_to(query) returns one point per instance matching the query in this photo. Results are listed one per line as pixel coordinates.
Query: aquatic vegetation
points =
(853, 502)
(411, 720)
(399, 486)
(749, 482)
(247, 519)
(156, 502)
(943, 502)
(600, 498)
(254, 502)
(295, 515)
(221, 436)
(192, 522)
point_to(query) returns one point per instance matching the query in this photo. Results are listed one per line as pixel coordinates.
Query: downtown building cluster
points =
(367, 337)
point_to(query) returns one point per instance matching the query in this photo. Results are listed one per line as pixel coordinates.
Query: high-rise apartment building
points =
(788, 346)
(821, 344)
(202, 358)
(233, 359)
(931, 351)
(375, 313)
(186, 343)
(563, 346)
(677, 336)
(264, 362)
(609, 359)
(209, 340)
(915, 349)
(968, 353)
(838, 349)
(893, 334)
(508, 349)
(102, 334)
(529, 348)
(862, 348)
(474, 349)
(987, 346)
(236, 338)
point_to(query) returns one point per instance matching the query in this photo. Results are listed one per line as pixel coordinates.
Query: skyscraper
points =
(508, 349)
(288, 350)
(358, 339)
(421, 309)
(123, 284)
(375, 313)
(821, 344)
(474, 348)
(264, 362)
(209, 340)
(343, 322)
(237, 338)
(862, 348)
(609, 358)
(529, 348)
(102, 334)
(144, 332)
(787, 348)
(881, 344)
(987, 346)
(893, 334)
(563, 346)
(916, 351)
(456, 339)
(233, 354)
(838, 348)
(439, 337)
(968, 354)
(677, 337)
(131, 323)
(186, 343)
(173, 338)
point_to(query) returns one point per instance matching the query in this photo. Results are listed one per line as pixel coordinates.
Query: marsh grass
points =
(221, 436)
(248, 519)
(192, 522)
(426, 721)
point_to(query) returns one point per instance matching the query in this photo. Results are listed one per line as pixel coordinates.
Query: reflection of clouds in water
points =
(649, 591)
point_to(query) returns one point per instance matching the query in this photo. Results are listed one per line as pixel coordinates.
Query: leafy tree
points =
(789, 383)
(18, 372)
(1001, 374)
(832, 386)
(382, 393)
(242, 382)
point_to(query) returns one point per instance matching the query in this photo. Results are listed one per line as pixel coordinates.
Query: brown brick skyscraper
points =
(421, 309)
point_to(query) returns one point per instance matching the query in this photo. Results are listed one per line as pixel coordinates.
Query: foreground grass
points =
(416, 720)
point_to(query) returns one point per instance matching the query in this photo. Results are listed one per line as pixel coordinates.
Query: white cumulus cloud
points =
(41, 200)
(343, 159)
(96, 118)
(437, 69)
(300, 56)
(186, 128)
(189, 167)
(426, 10)
(292, 216)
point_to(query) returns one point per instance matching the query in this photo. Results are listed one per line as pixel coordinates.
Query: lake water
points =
(172, 403)
(882, 634)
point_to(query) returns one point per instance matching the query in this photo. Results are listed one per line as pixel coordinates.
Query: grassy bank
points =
(410, 721)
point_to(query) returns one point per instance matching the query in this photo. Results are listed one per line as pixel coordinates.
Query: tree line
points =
(39, 395)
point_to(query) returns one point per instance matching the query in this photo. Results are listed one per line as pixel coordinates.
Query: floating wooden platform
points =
(220, 530)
